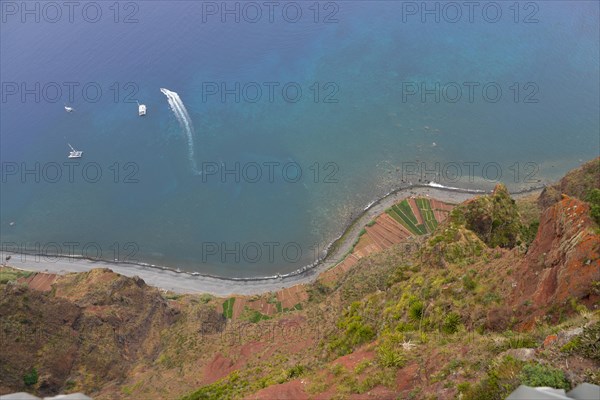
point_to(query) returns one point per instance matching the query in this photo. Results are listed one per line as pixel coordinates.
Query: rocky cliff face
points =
(562, 266)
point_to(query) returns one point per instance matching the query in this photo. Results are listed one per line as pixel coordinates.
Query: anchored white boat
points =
(141, 109)
(74, 153)
(69, 109)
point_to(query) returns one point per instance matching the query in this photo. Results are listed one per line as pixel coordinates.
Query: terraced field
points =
(419, 215)
(411, 217)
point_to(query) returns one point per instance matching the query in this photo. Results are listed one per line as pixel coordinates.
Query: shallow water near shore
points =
(354, 134)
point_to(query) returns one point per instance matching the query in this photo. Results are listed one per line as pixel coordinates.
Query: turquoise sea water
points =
(354, 132)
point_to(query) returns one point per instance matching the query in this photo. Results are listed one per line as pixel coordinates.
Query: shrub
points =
(256, 316)
(296, 371)
(463, 387)
(205, 298)
(31, 377)
(587, 344)
(468, 283)
(387, 356)
(528, 232)
(501, 380)
(451, 323)
(354, 331)
(416, 311)
(543, 375)
(229, 387)
(593, 198)
(516, 340)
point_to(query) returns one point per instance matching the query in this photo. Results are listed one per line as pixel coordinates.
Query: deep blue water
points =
(356, 122)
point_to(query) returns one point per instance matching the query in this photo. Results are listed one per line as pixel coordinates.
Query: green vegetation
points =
(528, 232)
(501, 379)
(587, 344)
(389, 356)
(505, 375)
(226, 388)
(517, 340)
(402, 213)
(11, 275)
(468, 283)
(416, 310)
(31, 377)
(228, 307)
(543, 375)
(354, 331)
(254, 316)
(451, 323)
(495, 219)
(593, 198)
(205, 298)
(239, 383)
(427, 214)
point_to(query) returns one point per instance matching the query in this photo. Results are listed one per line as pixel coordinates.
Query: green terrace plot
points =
(228, 307)
(427, 214)
(403, 213)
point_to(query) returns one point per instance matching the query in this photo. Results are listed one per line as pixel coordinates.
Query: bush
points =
(517, 340)
(593, 198)
(451, 323)
(387, 356)
(296, 371)
(31, 377)
(416, 311)
(543, 375)
(354, 331)
(500, 381)
(469, 283)
(528, 232)
(587, 344)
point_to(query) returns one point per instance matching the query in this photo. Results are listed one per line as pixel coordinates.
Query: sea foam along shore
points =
(186, 282)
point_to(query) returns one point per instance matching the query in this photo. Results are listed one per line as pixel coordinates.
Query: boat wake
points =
(438, 186)
(186, 124)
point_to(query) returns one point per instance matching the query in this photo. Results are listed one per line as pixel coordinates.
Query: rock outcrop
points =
(562, 264)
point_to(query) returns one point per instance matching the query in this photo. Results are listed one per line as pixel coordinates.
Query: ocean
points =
(279, 122)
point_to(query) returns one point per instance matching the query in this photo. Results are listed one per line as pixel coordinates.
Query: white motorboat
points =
(74, 153)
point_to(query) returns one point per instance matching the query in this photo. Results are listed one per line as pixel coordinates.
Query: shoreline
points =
(183, 282)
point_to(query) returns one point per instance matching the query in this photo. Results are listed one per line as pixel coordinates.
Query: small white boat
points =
(141, 109)
(74, 153)
(69, 109)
